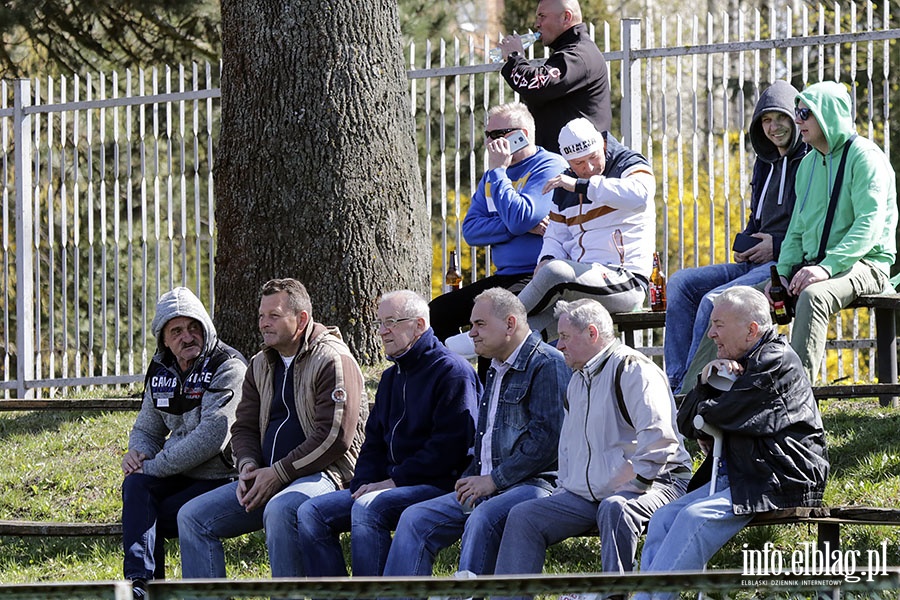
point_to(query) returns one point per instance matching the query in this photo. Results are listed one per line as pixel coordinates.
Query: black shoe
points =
(139, 589)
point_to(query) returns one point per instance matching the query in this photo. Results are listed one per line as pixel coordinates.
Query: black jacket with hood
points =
(772, 193)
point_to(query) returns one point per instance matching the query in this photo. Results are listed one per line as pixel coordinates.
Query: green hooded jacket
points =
(865, 221)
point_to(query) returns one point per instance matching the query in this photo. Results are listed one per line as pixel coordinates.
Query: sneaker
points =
(139, 589)
(461, 344)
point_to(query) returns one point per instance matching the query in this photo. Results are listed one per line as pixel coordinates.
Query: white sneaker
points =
(458, 575)
(461, 344)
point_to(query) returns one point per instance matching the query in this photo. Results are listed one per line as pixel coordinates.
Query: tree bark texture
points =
(316, 174)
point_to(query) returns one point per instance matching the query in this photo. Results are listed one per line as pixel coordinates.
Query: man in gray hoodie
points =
(179, 446)
(779, 150)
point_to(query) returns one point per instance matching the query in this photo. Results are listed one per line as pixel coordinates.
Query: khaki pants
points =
(812, 312)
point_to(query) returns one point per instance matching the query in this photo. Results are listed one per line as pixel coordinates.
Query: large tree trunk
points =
(317, 176)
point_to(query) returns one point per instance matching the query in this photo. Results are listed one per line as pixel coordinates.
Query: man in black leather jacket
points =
(773, 450)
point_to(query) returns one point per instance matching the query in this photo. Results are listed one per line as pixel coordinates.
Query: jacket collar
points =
(411, 357)
(311, 336)
(593, 367)
(570, 36)
(764, 339)
(528, 347)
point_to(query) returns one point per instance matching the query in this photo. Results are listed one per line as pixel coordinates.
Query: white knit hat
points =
(579, 138)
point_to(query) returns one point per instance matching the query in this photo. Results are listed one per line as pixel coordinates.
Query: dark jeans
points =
(451, 311)
(149, 509)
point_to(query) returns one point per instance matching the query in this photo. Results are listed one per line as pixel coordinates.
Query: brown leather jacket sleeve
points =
(245, 434)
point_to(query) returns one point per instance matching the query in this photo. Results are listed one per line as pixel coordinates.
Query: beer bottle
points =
(657, 286)
(453, 278)
(781, 302)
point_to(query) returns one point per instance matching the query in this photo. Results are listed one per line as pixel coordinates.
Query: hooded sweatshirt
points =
(772, 193)
(184, 422)
(865, 220)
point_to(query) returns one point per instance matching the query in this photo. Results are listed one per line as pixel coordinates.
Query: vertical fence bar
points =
(5, 241)
(24, 239)
(632, 131)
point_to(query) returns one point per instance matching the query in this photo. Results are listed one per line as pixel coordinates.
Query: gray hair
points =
(750, 303)
(585, 312)
(413, 304)
(504, 303)
(518, 115)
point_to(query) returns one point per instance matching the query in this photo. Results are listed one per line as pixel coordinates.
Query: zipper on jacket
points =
(286, 407)
(402, 415)
(581, 227)
(587, 441)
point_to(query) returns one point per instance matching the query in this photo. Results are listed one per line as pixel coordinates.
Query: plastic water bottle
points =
(528, 40)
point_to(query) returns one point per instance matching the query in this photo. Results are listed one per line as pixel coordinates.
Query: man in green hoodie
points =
(823, 268)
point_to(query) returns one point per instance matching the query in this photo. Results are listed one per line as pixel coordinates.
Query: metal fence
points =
(107, 181)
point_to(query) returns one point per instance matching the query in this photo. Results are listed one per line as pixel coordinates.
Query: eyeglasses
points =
(802, 112)
(496, 134)
(390, 323)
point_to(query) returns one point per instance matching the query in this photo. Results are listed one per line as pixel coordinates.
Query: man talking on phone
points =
(690, 292)
(509, 213)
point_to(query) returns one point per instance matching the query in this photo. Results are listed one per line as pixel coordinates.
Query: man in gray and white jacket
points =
(620, 454)
(179, 446)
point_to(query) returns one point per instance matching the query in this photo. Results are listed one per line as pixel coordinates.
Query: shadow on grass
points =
(35, 421)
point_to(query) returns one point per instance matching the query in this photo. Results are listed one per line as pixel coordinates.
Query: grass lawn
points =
(65, 466)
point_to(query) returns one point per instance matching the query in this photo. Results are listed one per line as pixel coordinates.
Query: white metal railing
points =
(108, 180)
(115, 206)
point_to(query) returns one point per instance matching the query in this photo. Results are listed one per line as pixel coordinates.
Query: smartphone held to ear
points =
(517, 141)
(743, 242)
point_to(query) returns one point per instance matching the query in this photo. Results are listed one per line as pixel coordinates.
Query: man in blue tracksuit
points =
(417, 441)
(508, 213)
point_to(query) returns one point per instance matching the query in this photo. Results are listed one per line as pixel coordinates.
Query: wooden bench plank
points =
(47, 528)
(79, 404)
(828, 520)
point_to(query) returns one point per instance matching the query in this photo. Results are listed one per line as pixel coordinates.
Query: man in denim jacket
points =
(519, 420)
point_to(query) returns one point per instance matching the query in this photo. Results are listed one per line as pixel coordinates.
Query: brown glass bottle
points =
(657, 286)
(453, 278)
(781, 301)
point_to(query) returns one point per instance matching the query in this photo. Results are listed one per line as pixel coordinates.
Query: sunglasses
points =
(802, 113)
(496, 134)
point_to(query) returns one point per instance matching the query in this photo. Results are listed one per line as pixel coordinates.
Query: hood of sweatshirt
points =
(779, 97)
(181, 302)
(830, 102)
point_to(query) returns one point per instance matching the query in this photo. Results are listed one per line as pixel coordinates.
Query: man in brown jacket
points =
(297, 434)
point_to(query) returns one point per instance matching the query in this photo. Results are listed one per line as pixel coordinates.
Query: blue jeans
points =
(689, 296)
(369, 519)
(428, 527)
(149, 509)
(700, 524)
(206, 520)
(534, 525)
